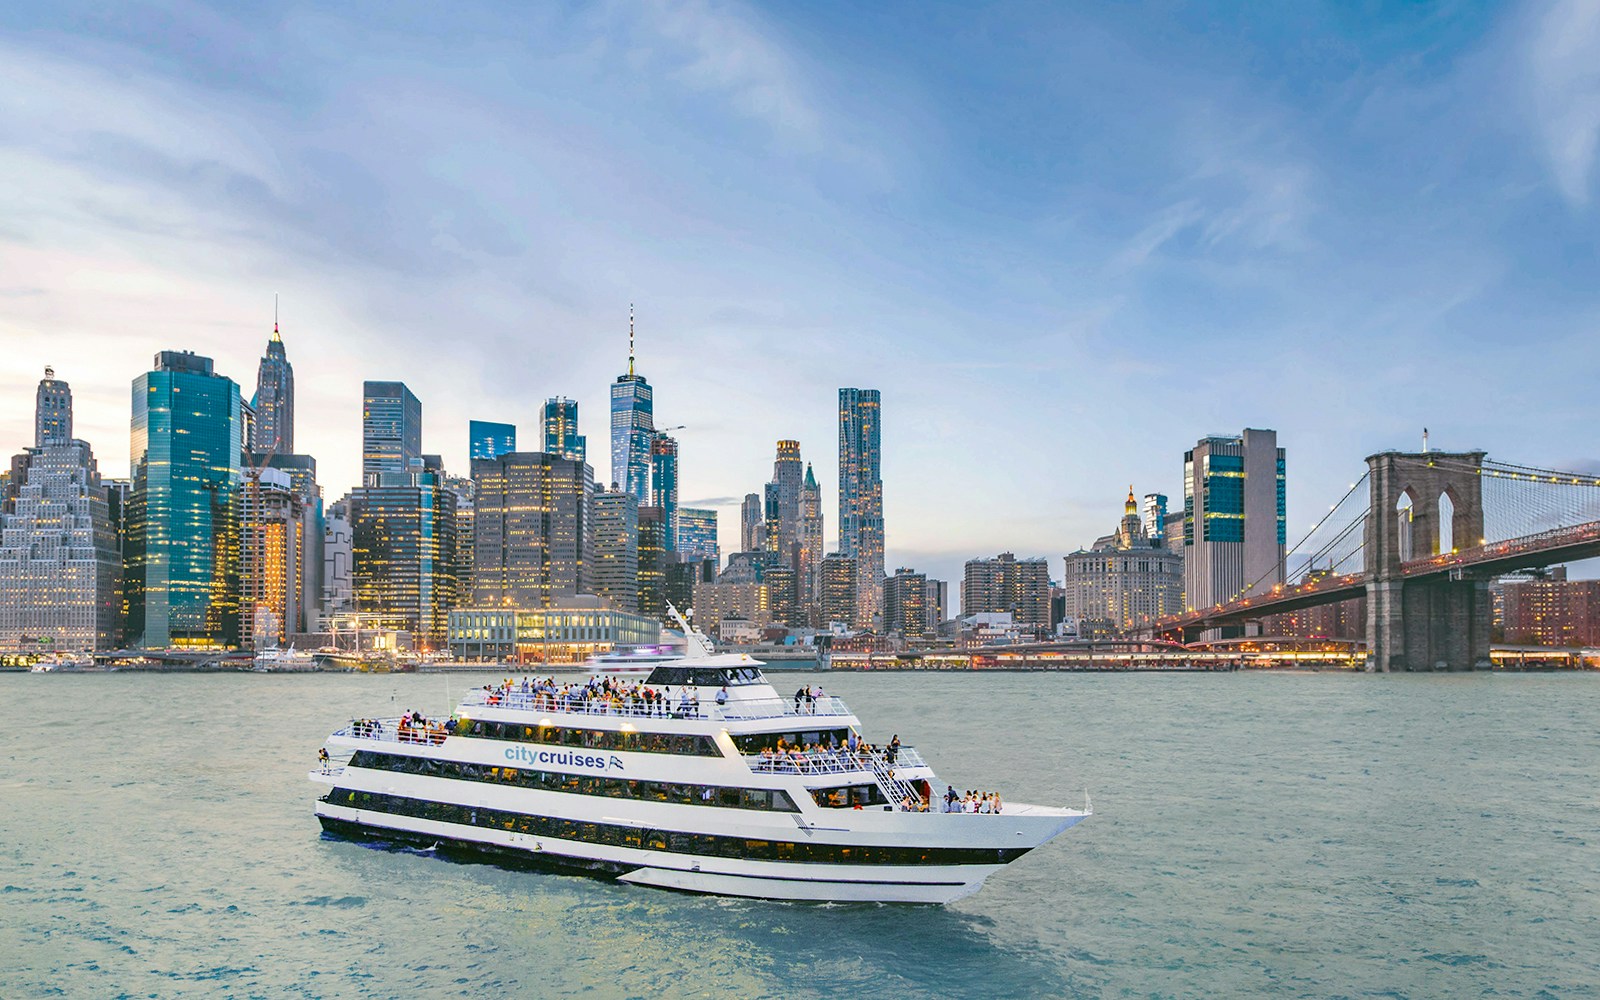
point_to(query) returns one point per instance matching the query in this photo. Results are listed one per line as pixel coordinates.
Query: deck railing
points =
(389, 731)
(831, 761)
(735, 710)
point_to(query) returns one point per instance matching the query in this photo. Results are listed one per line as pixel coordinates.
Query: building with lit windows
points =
(531, 530)
(1549, 610)
(1020, 587)
(861, 496)
(489, 440)
(664, 486)
(905, 605)
(391, 430)
(59, 562)
(1127, 578)
(715, 602)
(697, 535)
(272, 429)
(273, 561)
(52, 411)
(1233, 517)
(632, 429)
(616, 549)
(561, 435)
(580, 627)
(181, 574)
(403, 553)
(836, 601)
(653, 558)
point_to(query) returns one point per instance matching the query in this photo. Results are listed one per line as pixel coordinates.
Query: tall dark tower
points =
(52, 411)
(273, 402)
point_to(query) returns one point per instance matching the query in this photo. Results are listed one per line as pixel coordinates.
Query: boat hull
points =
(754, 879)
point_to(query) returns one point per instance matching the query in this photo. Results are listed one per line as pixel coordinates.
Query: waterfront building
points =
(273, 560)
(664, 486)
(653, 558)
(488, 440)
(1126, 578)
(272, 406)
(752, 524)
(861, 496)
(836, 601)
(905, 605)
(52, 411)
(811, 549)
(181, 577)
(722, 601)
(697, 535)
(1549, 610)
(1233, 517)
(338, 580)
(403, 550)
(531, 530)
(1006, 584)
(391, 430)
(616, 548)
(59, 562)
(574, 630)
(632, 428)
(561, 435)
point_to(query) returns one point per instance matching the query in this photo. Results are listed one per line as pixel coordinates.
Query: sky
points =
(1064, 243)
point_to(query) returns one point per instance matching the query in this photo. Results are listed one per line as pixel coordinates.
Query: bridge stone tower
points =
(1437, 624)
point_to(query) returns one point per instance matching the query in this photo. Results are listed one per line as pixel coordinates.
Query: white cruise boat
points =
(691, 793)
(290, 660)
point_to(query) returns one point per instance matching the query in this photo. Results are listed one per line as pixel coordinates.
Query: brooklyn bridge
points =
(1418, 538)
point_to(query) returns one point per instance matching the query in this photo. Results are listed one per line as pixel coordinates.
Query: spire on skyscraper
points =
(275, 337)
(630, 340)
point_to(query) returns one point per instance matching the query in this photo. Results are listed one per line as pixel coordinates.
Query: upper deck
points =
(737, 709)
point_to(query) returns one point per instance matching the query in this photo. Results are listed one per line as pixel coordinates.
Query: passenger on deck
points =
(722, 695)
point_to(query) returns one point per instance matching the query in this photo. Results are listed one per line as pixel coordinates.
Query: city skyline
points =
(1265, 221)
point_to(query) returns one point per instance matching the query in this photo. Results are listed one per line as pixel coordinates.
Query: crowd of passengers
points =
(956, 802)
(414, 727)
(600, 696)
(815, 758)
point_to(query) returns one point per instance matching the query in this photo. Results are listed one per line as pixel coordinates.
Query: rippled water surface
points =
(1284, 835)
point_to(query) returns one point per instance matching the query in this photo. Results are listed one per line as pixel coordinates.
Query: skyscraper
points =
(836, 604)
(861, 495)
(561, 435)
(531, 530)
(1128, 577)
(59, 562)
(811, 544)
(490, 440)
(403, 553)
(1233, 517)
(664, 485)
(273, 429)
(1020, 587)
(905, 605)
(632, 428)
(788, 476)
(181, 575)
(52, 411)
(616, 548)
(752, 524)
(652, 563)
(697, 535)
(391, 430)
(273, 553)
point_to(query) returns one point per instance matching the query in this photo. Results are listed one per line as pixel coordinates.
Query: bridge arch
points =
(1446, 541)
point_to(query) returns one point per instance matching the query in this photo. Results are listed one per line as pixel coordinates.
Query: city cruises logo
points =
(566, 758)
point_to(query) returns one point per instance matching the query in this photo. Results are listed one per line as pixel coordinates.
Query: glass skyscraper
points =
(861, 496)
(391, 430)
(490, 440)
(403, 553)
(664, 486)
(1234, 525)
(532, 530)
(632, 429)
(697, 535)
(182, 557)
(561, 437)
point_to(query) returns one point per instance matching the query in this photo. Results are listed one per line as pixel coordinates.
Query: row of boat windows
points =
(849, 796)
(757, 742)
(676, 842)
(767, 799)
(594, 739)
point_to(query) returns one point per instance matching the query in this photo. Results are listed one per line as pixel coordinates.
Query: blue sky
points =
(1063, 243)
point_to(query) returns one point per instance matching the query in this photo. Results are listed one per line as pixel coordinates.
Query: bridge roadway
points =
(1546, 548)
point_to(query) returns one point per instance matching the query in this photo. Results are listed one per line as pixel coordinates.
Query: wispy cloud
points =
(1563, 54)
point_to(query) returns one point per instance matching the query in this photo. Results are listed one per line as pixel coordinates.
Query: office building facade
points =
(616, 549)
(664, 486)
(391, 430)
(836, 601)
(403, 553)
(697, 535)
(181, 576)
(1128, 578)
(905, 605)
(1234, 525)
(1019, 587)
(633, 428)
(561, 437)
(531, 530)
(752, 524)
(861, 533)
(52, 411)
(274, 561)
(489, 440)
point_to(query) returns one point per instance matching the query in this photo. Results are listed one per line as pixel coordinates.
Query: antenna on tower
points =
(275, 335)
(630, 340)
